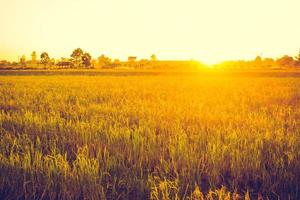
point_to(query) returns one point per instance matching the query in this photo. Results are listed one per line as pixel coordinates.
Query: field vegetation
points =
(149, 137)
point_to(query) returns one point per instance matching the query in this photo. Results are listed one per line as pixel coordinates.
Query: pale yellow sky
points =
(206, 30)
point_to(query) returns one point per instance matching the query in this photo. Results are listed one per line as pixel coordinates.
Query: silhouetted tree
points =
(45, 59)
(258, 61)
(86, 59)
(153, 57)
(52, 61)
(268, 62)
(104, 61)
(115, 63)
(286, 60)
(77, 57)
(33, 57)
(23, 61)
(297, 61)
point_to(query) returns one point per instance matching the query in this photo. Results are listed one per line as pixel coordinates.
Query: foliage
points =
(33, 57)
(153, 57)
(104, 61)
(298, 59)
(285, 61)
(23, 61)
(81, 58)
(45, 59)
(77, 57)
(86, 59)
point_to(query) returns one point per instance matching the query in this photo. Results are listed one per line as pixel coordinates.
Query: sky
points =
(204, 30)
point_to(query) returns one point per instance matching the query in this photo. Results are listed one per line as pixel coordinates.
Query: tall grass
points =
(149, 137)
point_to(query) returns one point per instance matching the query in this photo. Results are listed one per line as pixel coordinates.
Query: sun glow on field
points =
(139, 136)
(210, 66)
(209, 31)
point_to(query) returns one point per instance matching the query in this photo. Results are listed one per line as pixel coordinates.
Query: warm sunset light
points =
(209, 31)
(149, 99)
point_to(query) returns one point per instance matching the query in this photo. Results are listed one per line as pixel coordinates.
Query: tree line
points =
(78, 59)
(82, 59)
(285, 61)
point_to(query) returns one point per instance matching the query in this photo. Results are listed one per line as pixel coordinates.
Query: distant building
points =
(4, 63)
(64, 63)
(131, 62)
(132, 58)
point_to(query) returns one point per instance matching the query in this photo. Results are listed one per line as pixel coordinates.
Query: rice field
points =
(149, 136)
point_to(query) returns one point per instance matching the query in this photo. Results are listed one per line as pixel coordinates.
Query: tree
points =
(297, 61)
(115, 63)
(286, 60)
(45, 59)
(86, 59)
(77, 57)
(268, 62)
(33, 57)
(104, 61)
(153, 57)
(258, 61)
(52, 61)
(23, 61)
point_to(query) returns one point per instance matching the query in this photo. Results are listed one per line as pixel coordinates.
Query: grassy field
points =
(149, 136)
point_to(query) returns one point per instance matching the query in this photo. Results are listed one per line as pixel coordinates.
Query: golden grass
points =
(149, 137)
